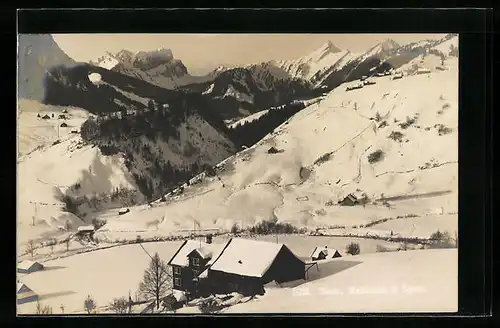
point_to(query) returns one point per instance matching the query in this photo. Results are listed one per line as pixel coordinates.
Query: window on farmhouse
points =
(196, 273)
(177, 270)
(177, 281)
(196, 262)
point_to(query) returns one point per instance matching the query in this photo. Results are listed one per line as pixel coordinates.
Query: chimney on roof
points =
(208, 239)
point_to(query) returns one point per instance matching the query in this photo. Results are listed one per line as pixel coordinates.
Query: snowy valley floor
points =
(114, 272)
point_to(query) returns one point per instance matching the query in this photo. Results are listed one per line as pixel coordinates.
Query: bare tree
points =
(43, 309)
(31, 248)
(89, 305)
(156, 281)
(119, 305)
(52, 244)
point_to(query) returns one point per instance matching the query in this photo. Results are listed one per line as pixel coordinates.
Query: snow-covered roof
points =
(246, 257)
(205, 250)
(22, 288)
(329, 252)
(26, 264)
(86, 228)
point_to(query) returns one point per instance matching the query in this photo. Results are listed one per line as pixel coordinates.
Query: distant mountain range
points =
(238, 91)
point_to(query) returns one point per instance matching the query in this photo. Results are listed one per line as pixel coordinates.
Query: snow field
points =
(113, 272)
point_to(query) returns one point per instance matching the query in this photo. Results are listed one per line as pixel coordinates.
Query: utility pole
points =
(34, 215)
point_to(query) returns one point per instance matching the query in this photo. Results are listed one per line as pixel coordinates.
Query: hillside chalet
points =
(25, 294)
(239, 265)
(85, 231)
(354, 86)
(323, 253)
(29, 267)
(349, 200)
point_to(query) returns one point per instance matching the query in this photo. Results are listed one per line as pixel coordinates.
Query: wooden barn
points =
(323, 253)
(349, 200)
(29, 267)
(246, 265)
(239, 265)
(85, 231)
(355, 86)
(25, 294)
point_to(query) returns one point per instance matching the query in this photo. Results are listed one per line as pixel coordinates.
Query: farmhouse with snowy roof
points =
(323, 253)
(25, 294)
(239, 265)
(29, 267)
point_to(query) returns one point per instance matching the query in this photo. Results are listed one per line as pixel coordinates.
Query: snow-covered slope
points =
(36, 54)
(327, 151)
(449, 46)
(141, 140)
(435, 58)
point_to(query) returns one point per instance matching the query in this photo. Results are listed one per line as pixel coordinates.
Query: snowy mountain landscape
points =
(244, 173)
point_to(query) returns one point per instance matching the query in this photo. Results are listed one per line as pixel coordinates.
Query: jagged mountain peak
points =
(389, 44)
(330, 47)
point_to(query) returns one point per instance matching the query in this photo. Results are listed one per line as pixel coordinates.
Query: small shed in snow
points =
(85, 230)
(29, 267)
(62, 117)
(123, 211)
(273, 150)
(423, 71)
(45, 117)
(349, 200)
(25, 294)
(323, 253)
(65, 111)
(63, 125)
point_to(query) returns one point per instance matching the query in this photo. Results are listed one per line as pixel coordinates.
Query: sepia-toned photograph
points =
(237, 173)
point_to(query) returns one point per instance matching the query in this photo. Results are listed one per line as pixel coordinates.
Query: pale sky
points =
(202, 53)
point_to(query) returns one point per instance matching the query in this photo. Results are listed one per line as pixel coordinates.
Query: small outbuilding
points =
(65, 111)
(64, 125)
(349, 200)
(246, 265)
(45, 117)
(29, 267)
(62, 117)
(323, 253)
(123, 211)
(273, 150)
(85, 231)
(25, 294)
